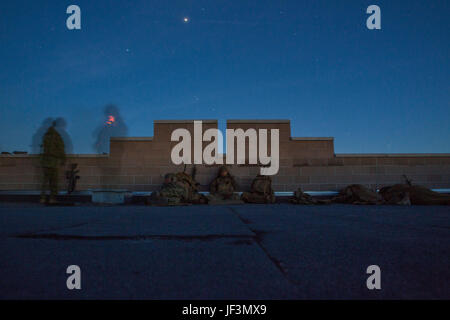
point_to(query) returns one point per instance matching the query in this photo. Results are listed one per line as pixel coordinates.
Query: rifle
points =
(72, 177)
(194, 172)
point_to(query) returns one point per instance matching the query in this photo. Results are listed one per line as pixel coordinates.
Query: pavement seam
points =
(29, 234)
(211, 237)
(258, 240)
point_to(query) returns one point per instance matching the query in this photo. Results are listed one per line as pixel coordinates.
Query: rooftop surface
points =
(278, 251)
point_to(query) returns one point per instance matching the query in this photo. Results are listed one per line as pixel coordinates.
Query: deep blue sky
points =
(313, 62)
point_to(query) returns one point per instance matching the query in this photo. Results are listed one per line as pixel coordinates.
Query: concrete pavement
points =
(276, 251)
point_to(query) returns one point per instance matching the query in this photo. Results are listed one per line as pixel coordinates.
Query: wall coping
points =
(184, 121)
(339, 155)
(258, 121)
(88, 155)
(131, 139)
(312, 138)
(31, 155)
(392, 155)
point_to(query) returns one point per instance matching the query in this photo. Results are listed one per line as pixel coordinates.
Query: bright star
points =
(186, 19)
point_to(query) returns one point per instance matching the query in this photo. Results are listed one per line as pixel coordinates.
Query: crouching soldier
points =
(224, 185)
(170, 193)
(261, 191)
(190, 186)
(179, 188)
(52, 157)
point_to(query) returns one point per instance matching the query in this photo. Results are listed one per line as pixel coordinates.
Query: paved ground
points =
(225, 252)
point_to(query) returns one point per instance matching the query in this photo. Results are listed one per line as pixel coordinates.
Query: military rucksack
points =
(262, 184)
(187, 181)
(261, 191)
(190, 186)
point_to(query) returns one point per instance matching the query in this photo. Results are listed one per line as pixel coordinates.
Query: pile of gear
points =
(177, 189)
(413, 194)
(181, 188)
(261, 191)
(399, 194)
(222, 190)
(358, 194)
(301, 197)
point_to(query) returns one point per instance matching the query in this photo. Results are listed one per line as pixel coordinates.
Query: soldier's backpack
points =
(358, 194)
(186, 180)
(262, 184)
(417, 195)
(191, 188)
(261, 191)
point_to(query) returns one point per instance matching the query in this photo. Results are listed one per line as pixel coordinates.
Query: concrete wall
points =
(139, 164)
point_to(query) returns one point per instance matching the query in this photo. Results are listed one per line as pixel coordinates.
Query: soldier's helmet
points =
(223, 170)
(170, 178)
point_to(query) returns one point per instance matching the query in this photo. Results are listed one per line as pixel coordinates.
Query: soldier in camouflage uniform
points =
(223, 186)
(52, 157)
(261, 191)
(170, 193)
(302, 198)
(358, 194)
(409, 194)
(179, 188)
(190, 187)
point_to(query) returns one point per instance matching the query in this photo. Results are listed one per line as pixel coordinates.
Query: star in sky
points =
(186, 19)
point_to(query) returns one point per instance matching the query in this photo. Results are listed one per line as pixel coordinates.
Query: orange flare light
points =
(110, 120)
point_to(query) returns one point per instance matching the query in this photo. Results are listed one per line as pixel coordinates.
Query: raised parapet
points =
(284, 131)
(284, 126)
(164, 128)
(311, 150)
(160, 145)
(291, 149)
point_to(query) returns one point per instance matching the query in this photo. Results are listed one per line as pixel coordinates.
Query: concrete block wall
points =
(377, 170)
(139, 164)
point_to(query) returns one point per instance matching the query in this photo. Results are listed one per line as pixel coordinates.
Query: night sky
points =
(313, 62)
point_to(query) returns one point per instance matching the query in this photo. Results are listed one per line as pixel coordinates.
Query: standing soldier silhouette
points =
(52, 156)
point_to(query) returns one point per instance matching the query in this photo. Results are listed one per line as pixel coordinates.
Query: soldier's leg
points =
(198, 198)
(156, 199)
(44, 185)
(253, 197)
(53, 184)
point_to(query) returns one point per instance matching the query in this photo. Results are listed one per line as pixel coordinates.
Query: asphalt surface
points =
(278, 251)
